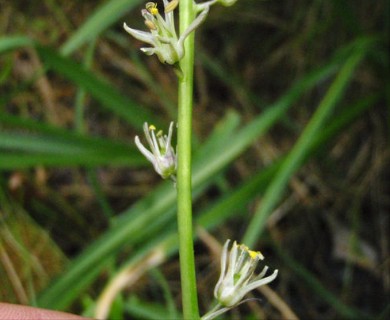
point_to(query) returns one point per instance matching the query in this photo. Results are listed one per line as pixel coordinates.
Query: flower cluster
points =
(162, 36)
(162, 154)
(237, 277)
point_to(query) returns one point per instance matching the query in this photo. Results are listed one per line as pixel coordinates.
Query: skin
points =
(13, 311)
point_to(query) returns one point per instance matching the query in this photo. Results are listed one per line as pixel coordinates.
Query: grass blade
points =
(295, 158)
(99, 89)
(15, 42)
(101, 19)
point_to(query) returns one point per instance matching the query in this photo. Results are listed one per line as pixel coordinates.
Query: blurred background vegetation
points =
(291, 127)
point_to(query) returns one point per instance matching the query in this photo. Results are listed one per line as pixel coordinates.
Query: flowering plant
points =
(238, 265)
(162, 154)
(237, 277)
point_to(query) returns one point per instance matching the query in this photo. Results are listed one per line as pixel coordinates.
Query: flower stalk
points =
(178, 51)
(184, 189)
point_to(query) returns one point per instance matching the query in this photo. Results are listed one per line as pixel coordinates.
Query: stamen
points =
(152, 8)
(171, 6)
(152, 127)
(150, 25)
(255, 254)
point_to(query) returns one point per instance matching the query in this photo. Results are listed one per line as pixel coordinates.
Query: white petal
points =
(144, 151)
(170, 22)
(232, 263)
(140, 35)
(168, 140)
(197, 21)
(223, 266)
(148, 51)
(258, 283)
(262, 273)
(156, 148)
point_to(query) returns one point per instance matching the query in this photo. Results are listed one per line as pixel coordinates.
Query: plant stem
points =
(184, 196)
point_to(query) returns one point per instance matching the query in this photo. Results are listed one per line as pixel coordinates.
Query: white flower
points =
(163, 156)
(237, 277)
(237, 274)
(162, 36)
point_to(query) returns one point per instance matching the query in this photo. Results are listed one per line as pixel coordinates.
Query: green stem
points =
(184, 196)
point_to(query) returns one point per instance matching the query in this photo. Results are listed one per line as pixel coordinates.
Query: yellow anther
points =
(152, 127)
(159, 134)
(253, 254)
(152, 8)
(171, 6)
(150, 25)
